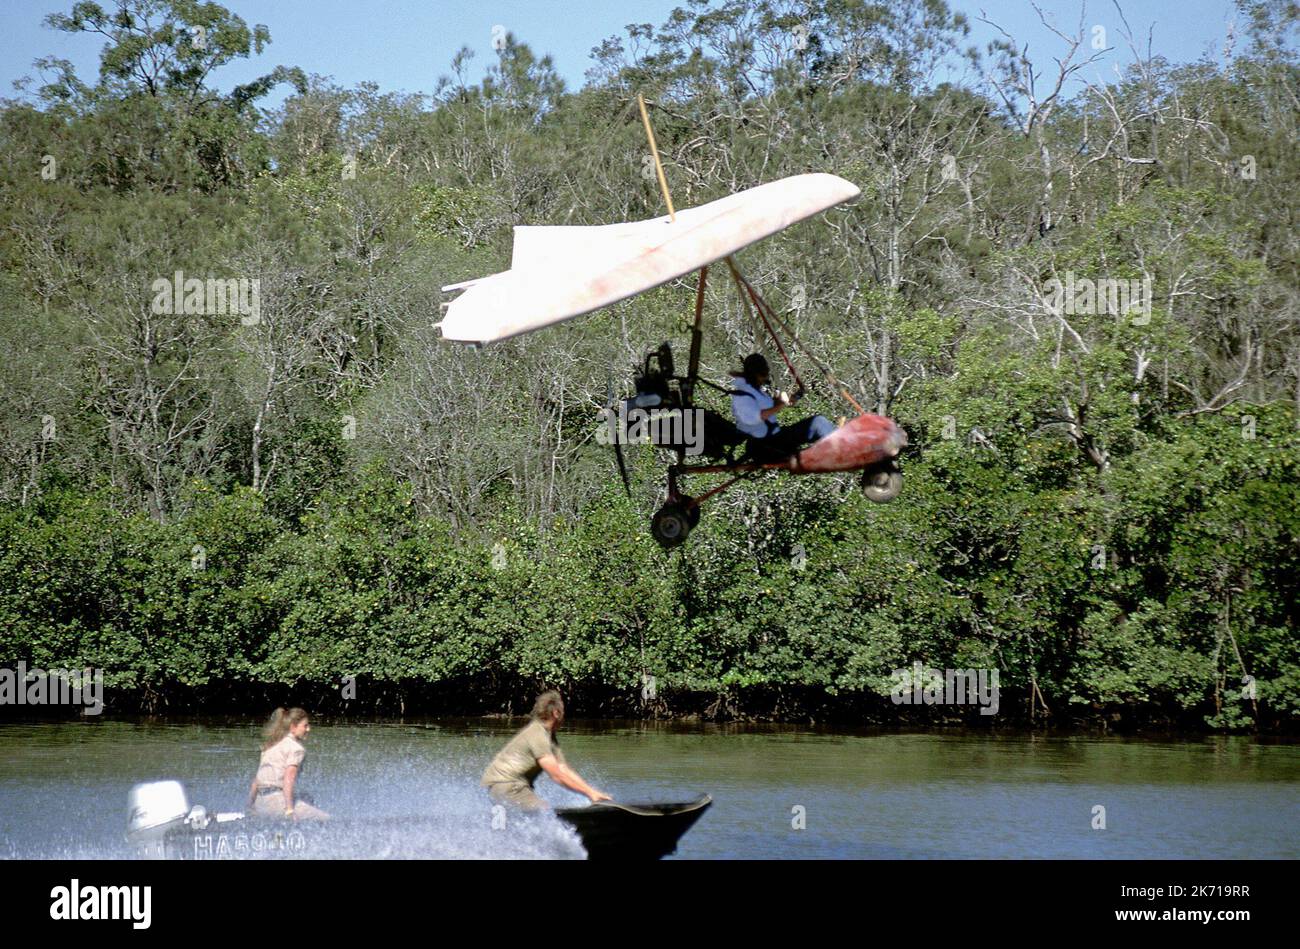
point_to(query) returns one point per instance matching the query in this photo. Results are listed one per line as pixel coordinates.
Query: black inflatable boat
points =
(633, 831)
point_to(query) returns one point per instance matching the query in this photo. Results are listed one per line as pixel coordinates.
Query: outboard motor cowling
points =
(153, 809)
(155, 804)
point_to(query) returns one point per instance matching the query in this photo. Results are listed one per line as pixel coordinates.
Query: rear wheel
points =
(673, 522)
(882, 485)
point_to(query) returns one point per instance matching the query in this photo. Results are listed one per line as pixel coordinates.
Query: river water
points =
(779, 792)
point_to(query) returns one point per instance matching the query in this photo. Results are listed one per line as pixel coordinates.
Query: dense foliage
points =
(1102, 505)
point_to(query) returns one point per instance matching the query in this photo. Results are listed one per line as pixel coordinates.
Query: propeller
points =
(611, 418)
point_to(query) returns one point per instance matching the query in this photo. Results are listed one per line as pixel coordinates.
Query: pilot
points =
(534, 749)
(272, 793)
(755, 411)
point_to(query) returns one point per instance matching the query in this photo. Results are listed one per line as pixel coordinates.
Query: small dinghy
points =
(162, 825)
(613, 831)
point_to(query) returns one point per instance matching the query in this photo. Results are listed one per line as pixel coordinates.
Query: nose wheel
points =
(882, 485)
(672, 523)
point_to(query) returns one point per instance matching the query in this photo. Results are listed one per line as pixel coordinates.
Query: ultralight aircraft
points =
(558, 273)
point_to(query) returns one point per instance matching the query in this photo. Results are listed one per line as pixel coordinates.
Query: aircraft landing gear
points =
(672, 523)
(882, 484)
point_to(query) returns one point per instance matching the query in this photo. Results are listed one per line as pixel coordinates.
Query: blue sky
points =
(405, 45)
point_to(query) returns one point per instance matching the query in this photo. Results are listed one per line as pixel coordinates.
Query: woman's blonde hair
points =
(279, 723)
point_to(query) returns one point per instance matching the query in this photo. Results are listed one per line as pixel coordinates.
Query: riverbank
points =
(788, 707)
(1165, 612)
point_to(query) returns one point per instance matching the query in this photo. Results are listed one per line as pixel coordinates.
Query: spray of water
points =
(413, 794)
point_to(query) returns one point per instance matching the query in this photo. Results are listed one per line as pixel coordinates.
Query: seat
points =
(762, 451)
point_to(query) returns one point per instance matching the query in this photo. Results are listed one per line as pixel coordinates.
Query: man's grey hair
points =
(548, 704)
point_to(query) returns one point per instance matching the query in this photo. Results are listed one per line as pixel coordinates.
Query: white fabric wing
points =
(557, 273)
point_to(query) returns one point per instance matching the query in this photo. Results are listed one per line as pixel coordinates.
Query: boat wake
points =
(421, 808)
(415, 813)
(539, 837)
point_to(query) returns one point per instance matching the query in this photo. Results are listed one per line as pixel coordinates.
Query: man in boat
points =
(755, 409)
(534, 749)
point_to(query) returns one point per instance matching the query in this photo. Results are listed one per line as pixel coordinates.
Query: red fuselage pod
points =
(858, 443)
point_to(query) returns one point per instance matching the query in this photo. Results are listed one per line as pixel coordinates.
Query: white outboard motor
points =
(156, 807)
(156, 804)
(153, 809)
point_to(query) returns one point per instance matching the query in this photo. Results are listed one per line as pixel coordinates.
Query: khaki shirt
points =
(277, 759)
(517, 762)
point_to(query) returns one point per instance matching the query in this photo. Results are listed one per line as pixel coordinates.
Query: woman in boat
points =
(534, 749)
(274, 792)
(755, 411)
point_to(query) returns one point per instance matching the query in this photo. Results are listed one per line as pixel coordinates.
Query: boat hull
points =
(611, 831)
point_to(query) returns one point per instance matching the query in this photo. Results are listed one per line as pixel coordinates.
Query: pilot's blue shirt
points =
(748, 408)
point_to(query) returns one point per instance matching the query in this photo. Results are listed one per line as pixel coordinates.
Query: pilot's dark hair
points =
(755, 364)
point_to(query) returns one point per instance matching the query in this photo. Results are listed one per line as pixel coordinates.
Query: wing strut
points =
(654, 150)
(769, 316)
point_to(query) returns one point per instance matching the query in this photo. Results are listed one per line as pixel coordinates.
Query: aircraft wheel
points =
(882, 484)
(672, 523)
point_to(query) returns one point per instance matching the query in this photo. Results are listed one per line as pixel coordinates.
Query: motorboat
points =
(162, 824)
